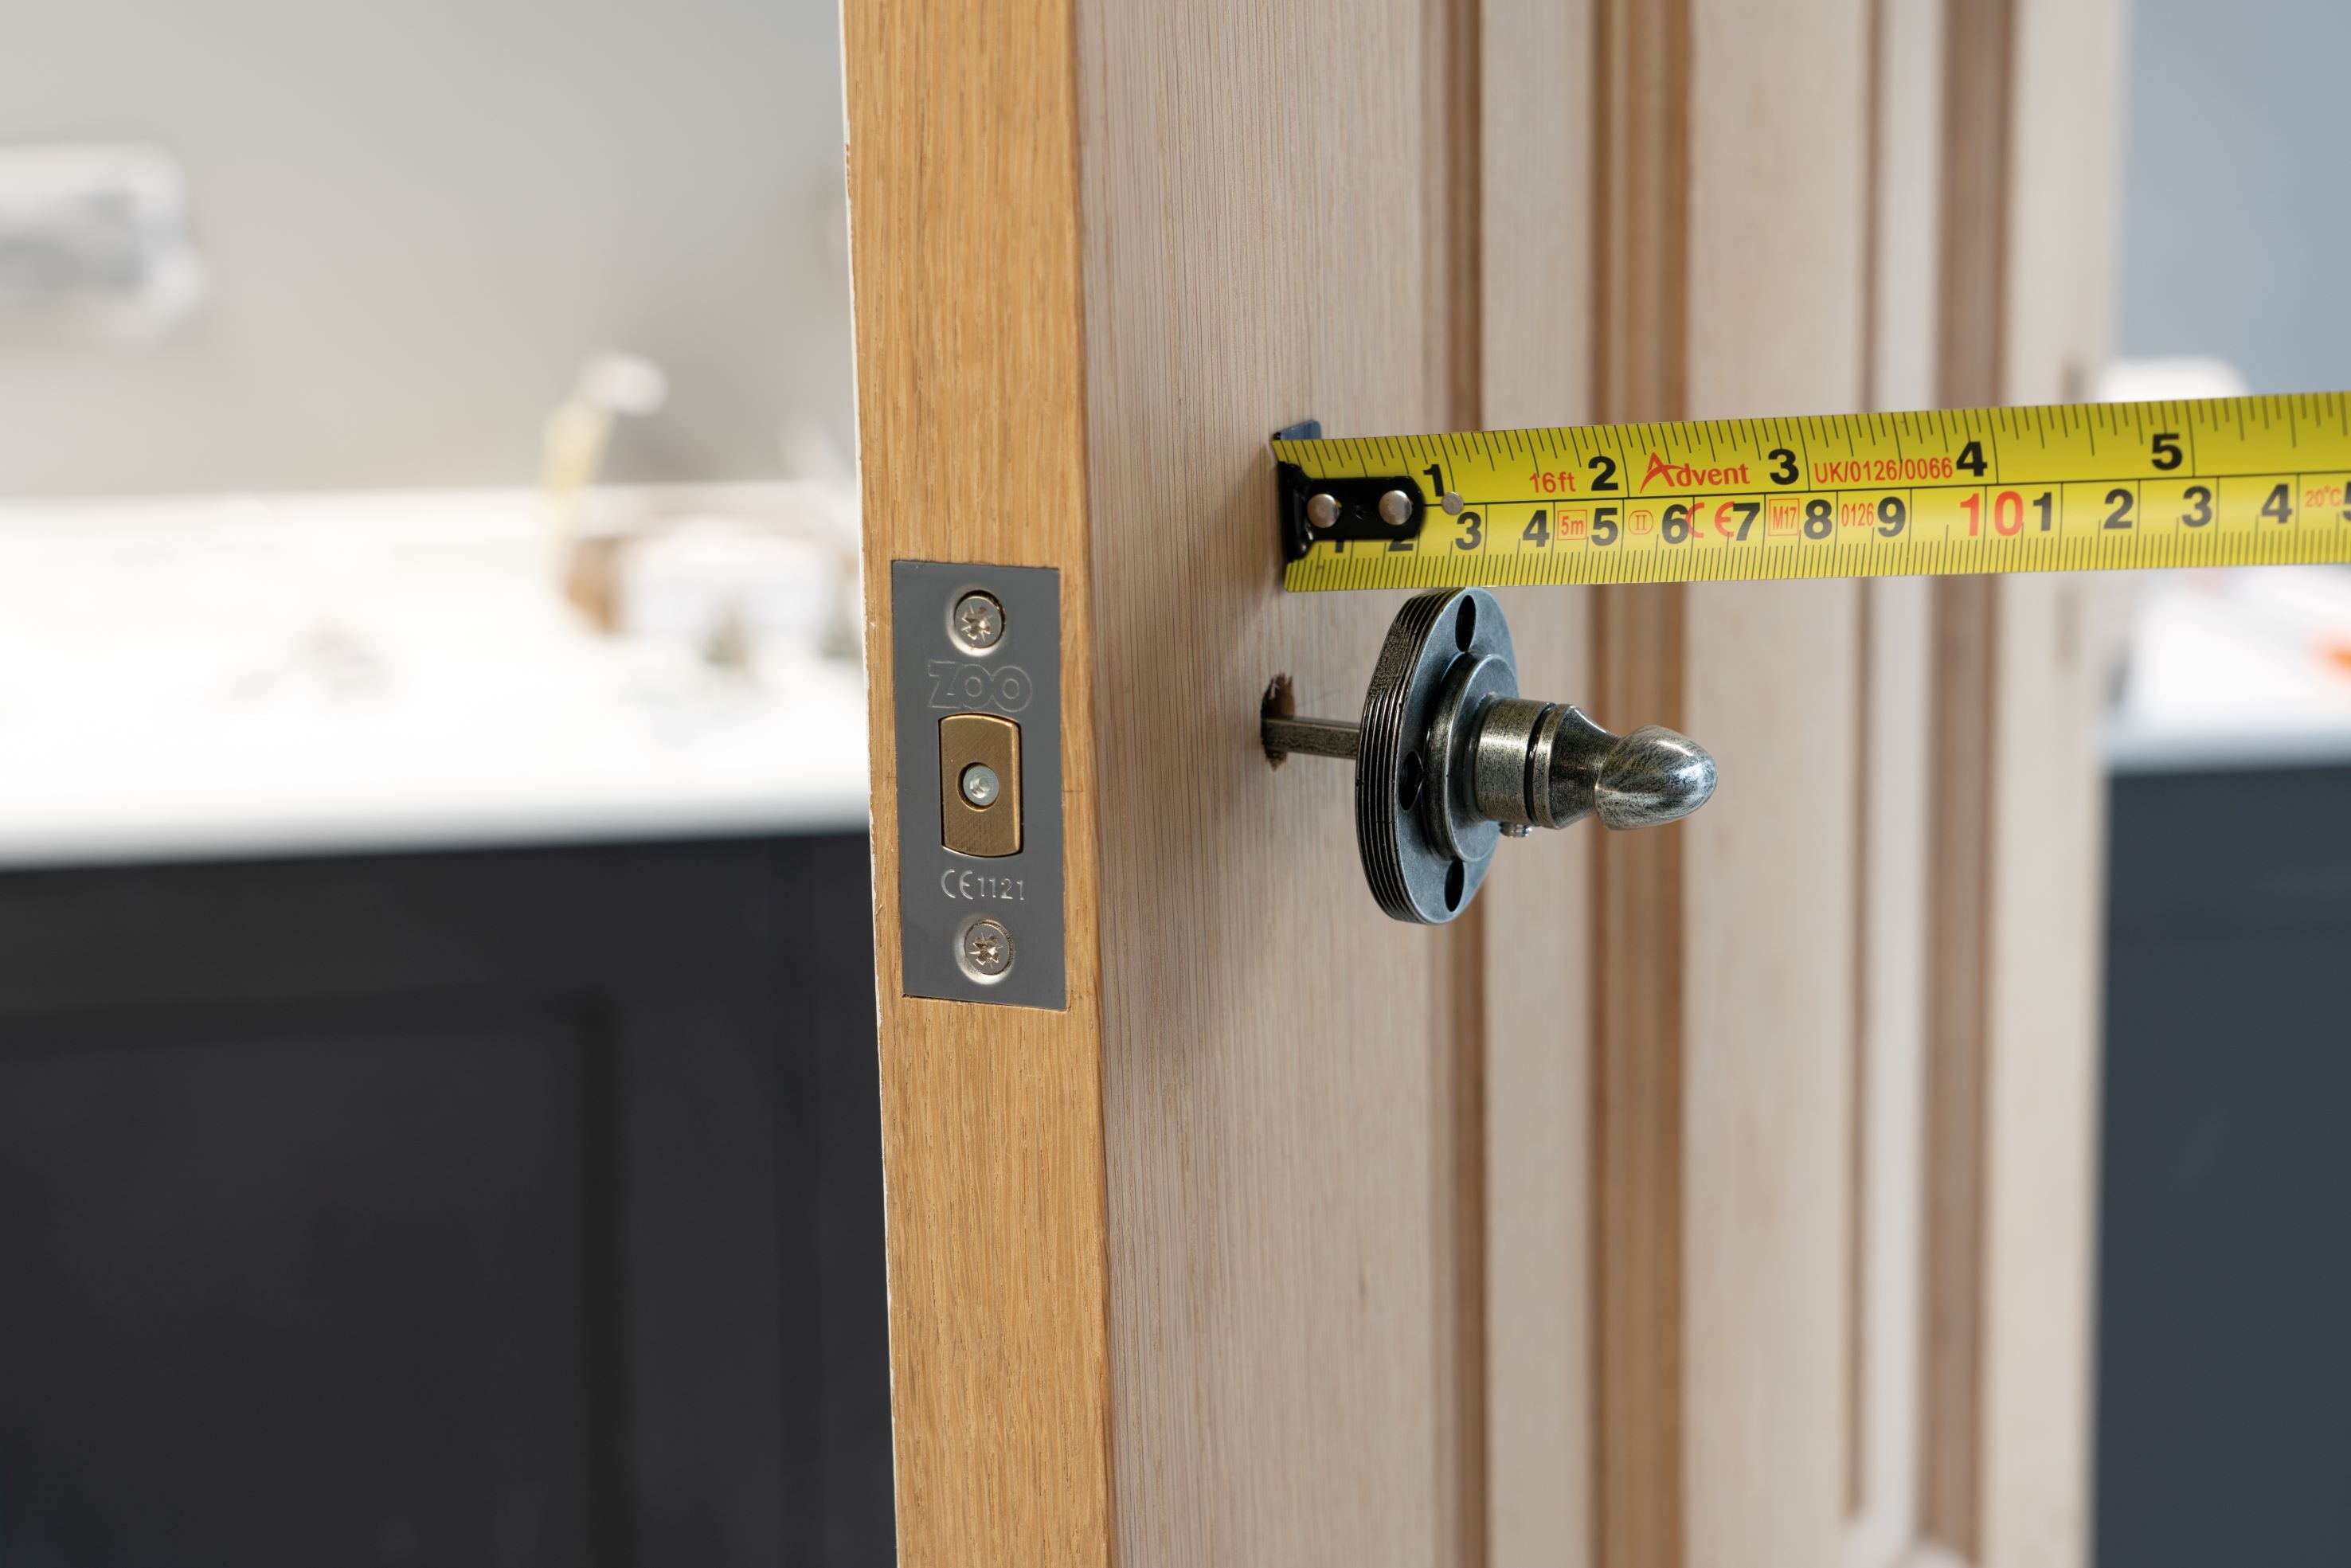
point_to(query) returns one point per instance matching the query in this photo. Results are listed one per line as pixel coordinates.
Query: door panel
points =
(1277, 1055)
(963, 179)
(1768, 967)
(1595, 1227)
(1528, 107)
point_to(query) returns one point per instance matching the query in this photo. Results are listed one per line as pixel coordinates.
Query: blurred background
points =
(436, 1080)
(2224, 1369)
(437, 1095)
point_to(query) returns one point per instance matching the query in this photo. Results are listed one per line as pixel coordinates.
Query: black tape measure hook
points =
(1341, 509)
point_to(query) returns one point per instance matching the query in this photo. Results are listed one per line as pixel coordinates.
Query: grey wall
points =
(2237, 198)
(420, 214)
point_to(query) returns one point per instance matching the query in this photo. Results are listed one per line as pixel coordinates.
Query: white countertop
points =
(2246, 667)
(2249, 667)
(239, 676)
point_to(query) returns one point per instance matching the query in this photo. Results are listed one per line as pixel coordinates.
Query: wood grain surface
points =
(1280, 1062)
(2059, 643)
(1453, 161)
(1771, 863)
(2032, 107)
(1641, 54)
(1886, 1249)
(1977, 115)
(1287, 1169)
(1304, 1237)
(1534, 293)
(1726, 978)
(971, 382)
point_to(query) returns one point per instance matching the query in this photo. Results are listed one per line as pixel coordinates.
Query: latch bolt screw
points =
(979, 620)
(986, 947)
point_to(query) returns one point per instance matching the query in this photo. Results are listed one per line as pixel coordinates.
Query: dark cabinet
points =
(515, 1207)
(2224, 1372)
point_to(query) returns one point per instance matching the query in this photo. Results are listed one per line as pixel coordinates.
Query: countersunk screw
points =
(980, 785)
(986, 947)
(979, 621)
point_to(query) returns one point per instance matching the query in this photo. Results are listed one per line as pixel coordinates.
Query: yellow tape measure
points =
(2078, 487)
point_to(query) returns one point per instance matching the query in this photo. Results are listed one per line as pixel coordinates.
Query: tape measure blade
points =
(2060, 488)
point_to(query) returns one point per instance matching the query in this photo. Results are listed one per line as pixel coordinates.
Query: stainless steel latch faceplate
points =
(976, 695)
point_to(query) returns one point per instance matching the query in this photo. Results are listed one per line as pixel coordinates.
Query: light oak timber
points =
(1535, 291)
(2032, 103)
(2058, 642)
(1288, 1162)
(1772, 863)
(971, 378)
(1727, 985)
(1641, 175)
(1279, 1059)
(1976, 120)
(1886, 1214)
(1455, 200)
(1305, 1236)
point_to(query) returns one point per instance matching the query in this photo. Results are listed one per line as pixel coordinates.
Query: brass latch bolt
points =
(979, 784)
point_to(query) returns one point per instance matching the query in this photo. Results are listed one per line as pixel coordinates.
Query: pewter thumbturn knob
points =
(1449, 759)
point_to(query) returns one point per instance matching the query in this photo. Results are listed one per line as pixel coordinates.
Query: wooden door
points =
(1712, 1194)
